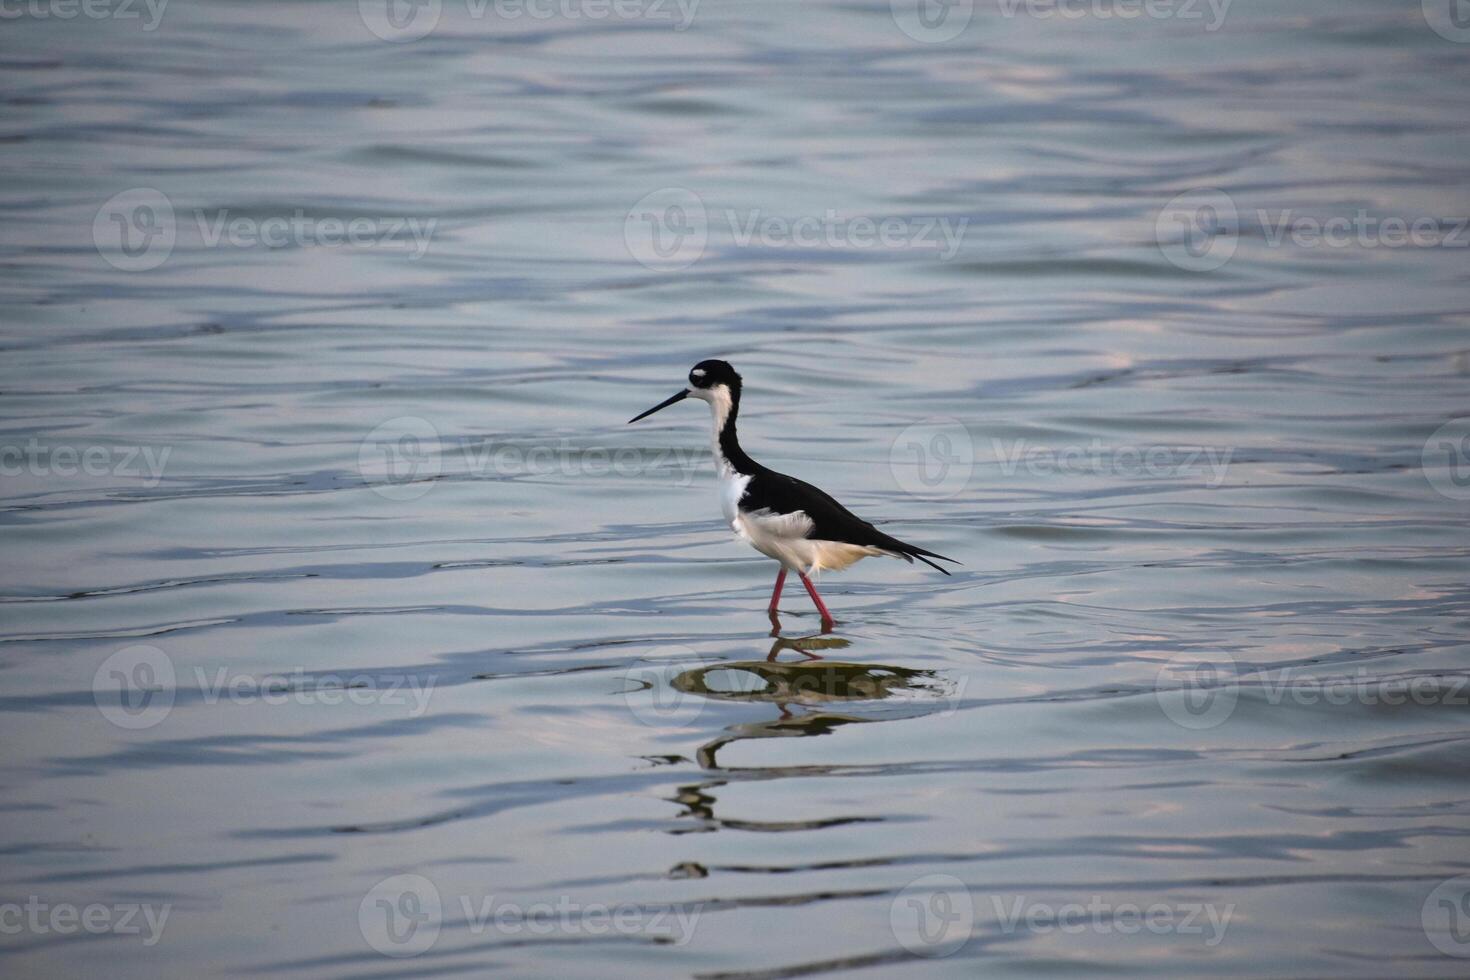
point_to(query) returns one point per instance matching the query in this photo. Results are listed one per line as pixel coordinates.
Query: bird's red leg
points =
(775, 598)
(827, 621)
(780, 584)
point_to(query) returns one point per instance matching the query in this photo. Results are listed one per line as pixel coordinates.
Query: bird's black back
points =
(831, 521)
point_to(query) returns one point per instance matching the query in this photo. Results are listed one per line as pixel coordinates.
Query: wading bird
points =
(778, 515)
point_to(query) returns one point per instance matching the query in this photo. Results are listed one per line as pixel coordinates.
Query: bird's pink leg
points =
(827, 621)
(775, 598)
(780, 584)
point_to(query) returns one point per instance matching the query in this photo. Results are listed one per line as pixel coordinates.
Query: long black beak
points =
(677, 398)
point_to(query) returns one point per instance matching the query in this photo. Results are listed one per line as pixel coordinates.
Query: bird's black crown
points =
(707, 374)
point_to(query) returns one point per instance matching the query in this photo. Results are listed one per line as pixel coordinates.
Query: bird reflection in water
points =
(805, 692)
(808, 694)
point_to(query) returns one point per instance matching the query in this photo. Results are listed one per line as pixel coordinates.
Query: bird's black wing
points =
(830, 520)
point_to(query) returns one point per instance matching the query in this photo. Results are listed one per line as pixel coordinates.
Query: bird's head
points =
(712, 381)
(707, 377)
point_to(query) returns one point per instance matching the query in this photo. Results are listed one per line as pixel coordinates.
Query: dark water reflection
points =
(341, 615)
(804, 693)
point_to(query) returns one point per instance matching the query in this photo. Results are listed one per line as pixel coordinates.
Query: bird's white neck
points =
(719, 407)
(724, 406)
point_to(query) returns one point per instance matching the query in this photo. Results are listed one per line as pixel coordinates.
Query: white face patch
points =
(719, 399)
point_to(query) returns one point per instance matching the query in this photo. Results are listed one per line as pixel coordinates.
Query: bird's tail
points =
(909, 552)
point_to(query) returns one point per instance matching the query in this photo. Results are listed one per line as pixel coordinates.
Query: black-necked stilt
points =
(778, 515)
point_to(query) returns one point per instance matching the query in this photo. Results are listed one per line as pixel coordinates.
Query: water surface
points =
(432, 609)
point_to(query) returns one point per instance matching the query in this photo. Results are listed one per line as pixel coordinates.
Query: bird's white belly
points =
(784, 537)
(732, 488)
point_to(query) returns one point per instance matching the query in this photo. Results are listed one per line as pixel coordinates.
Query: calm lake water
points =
(348, 631)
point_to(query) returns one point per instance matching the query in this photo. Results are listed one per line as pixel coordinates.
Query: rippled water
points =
(327, 564)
